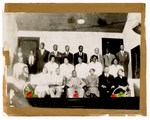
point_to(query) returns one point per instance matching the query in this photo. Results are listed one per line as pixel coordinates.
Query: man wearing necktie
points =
(31, 62)
(123, 57)
(80, 54)
(106, 83)
(57, 54)
(67, 54)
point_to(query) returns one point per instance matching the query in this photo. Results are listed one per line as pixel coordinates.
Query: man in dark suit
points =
(123, 57)
(80, 54)
(108, 58)
(106, 83)
(57, 54)
(68, 54)
(42, 57)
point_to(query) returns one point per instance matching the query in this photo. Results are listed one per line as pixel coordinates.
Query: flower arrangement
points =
(120, 92)
(29, 92)
(75, 95)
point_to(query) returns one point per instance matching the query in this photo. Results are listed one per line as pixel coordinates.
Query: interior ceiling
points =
(96, 22)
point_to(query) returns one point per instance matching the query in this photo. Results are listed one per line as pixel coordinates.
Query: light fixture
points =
(137, 29)
(80, 20)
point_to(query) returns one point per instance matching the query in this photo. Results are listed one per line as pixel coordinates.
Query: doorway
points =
(113, 44)
(135, 59)
(28, 43)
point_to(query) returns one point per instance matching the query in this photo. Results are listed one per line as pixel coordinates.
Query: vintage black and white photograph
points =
(73, 60)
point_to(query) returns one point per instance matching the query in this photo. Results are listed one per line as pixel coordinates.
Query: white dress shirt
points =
(31, 59)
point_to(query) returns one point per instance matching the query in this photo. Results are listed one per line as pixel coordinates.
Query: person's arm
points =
(82, 83)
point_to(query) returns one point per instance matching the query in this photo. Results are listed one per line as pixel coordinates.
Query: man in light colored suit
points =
(108, 58)
(123, 57)
(57, 54)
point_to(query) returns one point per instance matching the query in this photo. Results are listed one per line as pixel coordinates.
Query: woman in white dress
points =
(66, 68)
(113, 69)
(51, 65)
(95, 65)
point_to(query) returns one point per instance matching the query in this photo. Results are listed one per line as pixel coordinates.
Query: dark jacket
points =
(69, 56)
(107, 82)
(41, 60)
(84, 58)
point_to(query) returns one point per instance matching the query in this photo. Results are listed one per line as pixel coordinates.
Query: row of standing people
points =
(37, 62)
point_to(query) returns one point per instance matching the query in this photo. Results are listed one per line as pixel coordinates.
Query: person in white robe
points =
(18, 68)
(57, 84)
(41, 81)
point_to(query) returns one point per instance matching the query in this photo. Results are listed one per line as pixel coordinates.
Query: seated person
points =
(18, 68)
(75, 85)
(25, 75)
(106, 83)
(51, 65)
(92, 84)
(121, 80)
(66, 68)
(57, 84)
(41, 80)
(113, 69)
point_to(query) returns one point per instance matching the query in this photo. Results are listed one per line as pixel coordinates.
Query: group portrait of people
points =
(69, 75)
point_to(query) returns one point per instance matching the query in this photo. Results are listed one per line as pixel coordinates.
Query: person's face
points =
(107, 51)
(55, 47)
(91, 72)
(66, 61)
(57, 71)
(79, 60)
(121, 47)
(20, 60)
(74, 74)
(31, 52)
(115, 62)
(94, 59)
(120, 73)
(45, 70)
(26, 70)
(42, 46)
(52, 59)
(80, 49)
(96, 51)
(106, 70)
(67, 48)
